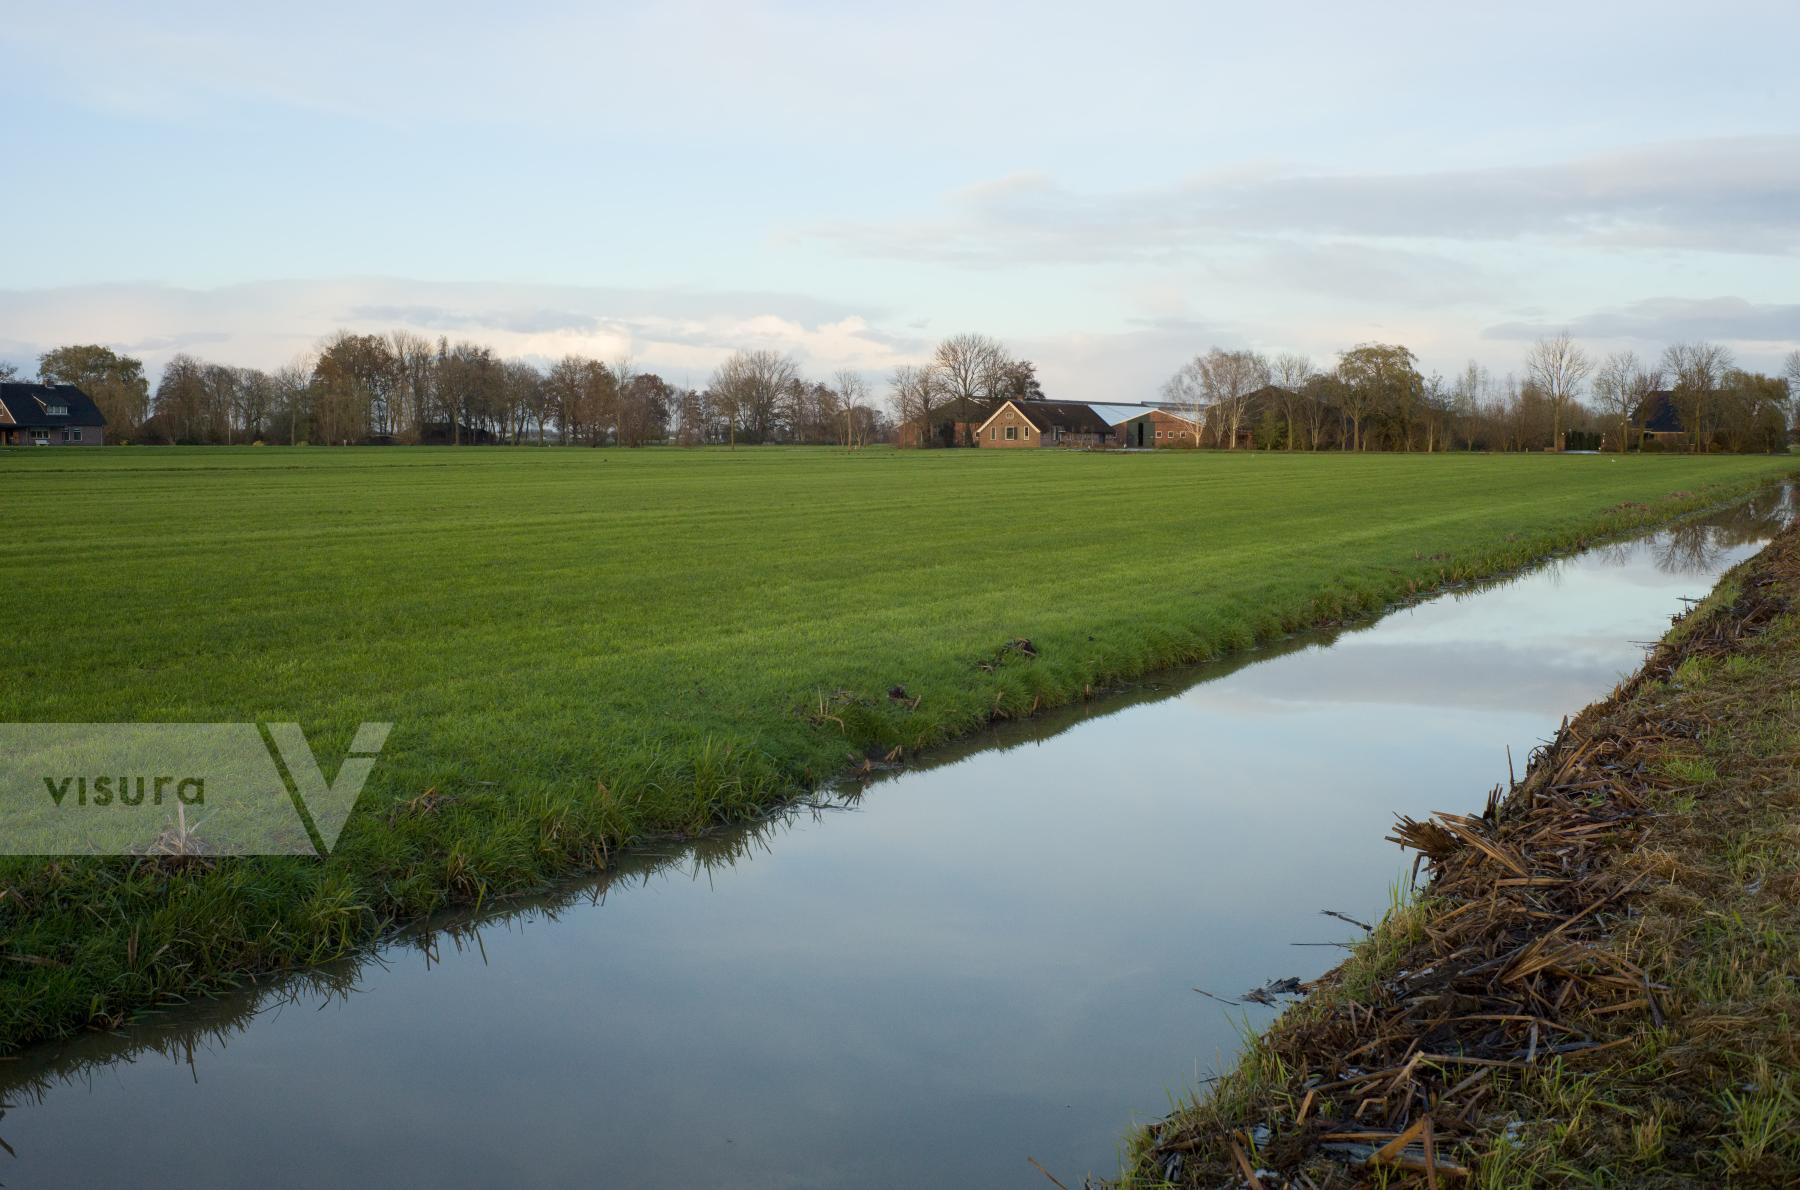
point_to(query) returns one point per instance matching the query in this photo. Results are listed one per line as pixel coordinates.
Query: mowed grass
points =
(581, 648)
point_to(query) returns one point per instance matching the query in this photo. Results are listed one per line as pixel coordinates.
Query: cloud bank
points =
(1736, 194)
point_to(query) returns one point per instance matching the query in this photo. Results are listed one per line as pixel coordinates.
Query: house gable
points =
(1010, 425)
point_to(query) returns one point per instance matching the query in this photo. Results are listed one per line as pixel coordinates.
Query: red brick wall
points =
(1161, 430)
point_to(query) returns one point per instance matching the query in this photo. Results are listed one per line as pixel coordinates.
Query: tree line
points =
(405, 388)
(1374, 397)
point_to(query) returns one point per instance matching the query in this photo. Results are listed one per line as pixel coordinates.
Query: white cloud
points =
(1733, 194)
(267, 324)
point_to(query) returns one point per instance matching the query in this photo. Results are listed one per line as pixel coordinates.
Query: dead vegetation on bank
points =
(1599, 982)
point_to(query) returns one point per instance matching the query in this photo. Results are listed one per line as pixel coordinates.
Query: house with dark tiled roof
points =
(1659, 420)
(1044, 423)
(48, 415)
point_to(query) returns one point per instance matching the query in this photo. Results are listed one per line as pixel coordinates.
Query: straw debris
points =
(1573, 996)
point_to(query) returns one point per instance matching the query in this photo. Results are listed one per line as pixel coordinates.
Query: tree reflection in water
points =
(1696, 547)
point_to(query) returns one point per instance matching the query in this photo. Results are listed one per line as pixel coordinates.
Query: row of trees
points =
(402, 387)
(1375, 397)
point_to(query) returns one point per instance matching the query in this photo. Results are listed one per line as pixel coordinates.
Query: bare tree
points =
(971, 367)
(748, 388)
(1318, 398)
(1791, 369)
(622, 373)
(415, 363)
(1212, 388)
(1184, 393)
(1289, 373)
(968, 374)
(1696, 370)
(293, 384)
(522, 389)
(853, 398)
(563, 388)
(1621, 385)
(1468, 398)
(915, 394)
(1436, 407)
(1557, 366)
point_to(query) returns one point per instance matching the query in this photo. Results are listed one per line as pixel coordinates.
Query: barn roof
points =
(1186, 415)
(1072, 416)
(1114, 415)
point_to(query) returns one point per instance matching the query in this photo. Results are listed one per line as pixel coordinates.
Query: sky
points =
(1108, 189)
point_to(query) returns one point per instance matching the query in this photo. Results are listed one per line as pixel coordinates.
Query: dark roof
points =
(958, 410)
(29, 405)
(1659, 414)
(1071, 416)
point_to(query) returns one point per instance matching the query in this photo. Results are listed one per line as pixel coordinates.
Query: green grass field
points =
(580, 648)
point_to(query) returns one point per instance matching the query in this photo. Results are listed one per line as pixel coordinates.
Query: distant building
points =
(951, 424)
(48, 415)
(1158, 429)
(1044, 423)
(1090, 425)
(1659, 420)
(443, 433)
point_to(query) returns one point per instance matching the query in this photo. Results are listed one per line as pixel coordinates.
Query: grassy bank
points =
(582, 648)
(1600, 983)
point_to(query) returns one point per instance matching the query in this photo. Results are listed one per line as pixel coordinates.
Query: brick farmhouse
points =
(1020, 424)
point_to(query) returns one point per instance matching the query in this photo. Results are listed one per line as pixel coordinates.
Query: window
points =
(72, 434)
(1012, 433)
(993, 433)
(57, 409)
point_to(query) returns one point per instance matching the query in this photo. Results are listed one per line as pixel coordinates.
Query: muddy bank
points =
(1597, 978)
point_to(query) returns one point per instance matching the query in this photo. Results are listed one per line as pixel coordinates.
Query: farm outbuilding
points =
(1153, 429)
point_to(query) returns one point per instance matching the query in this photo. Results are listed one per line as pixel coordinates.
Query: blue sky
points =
(1109, 189)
